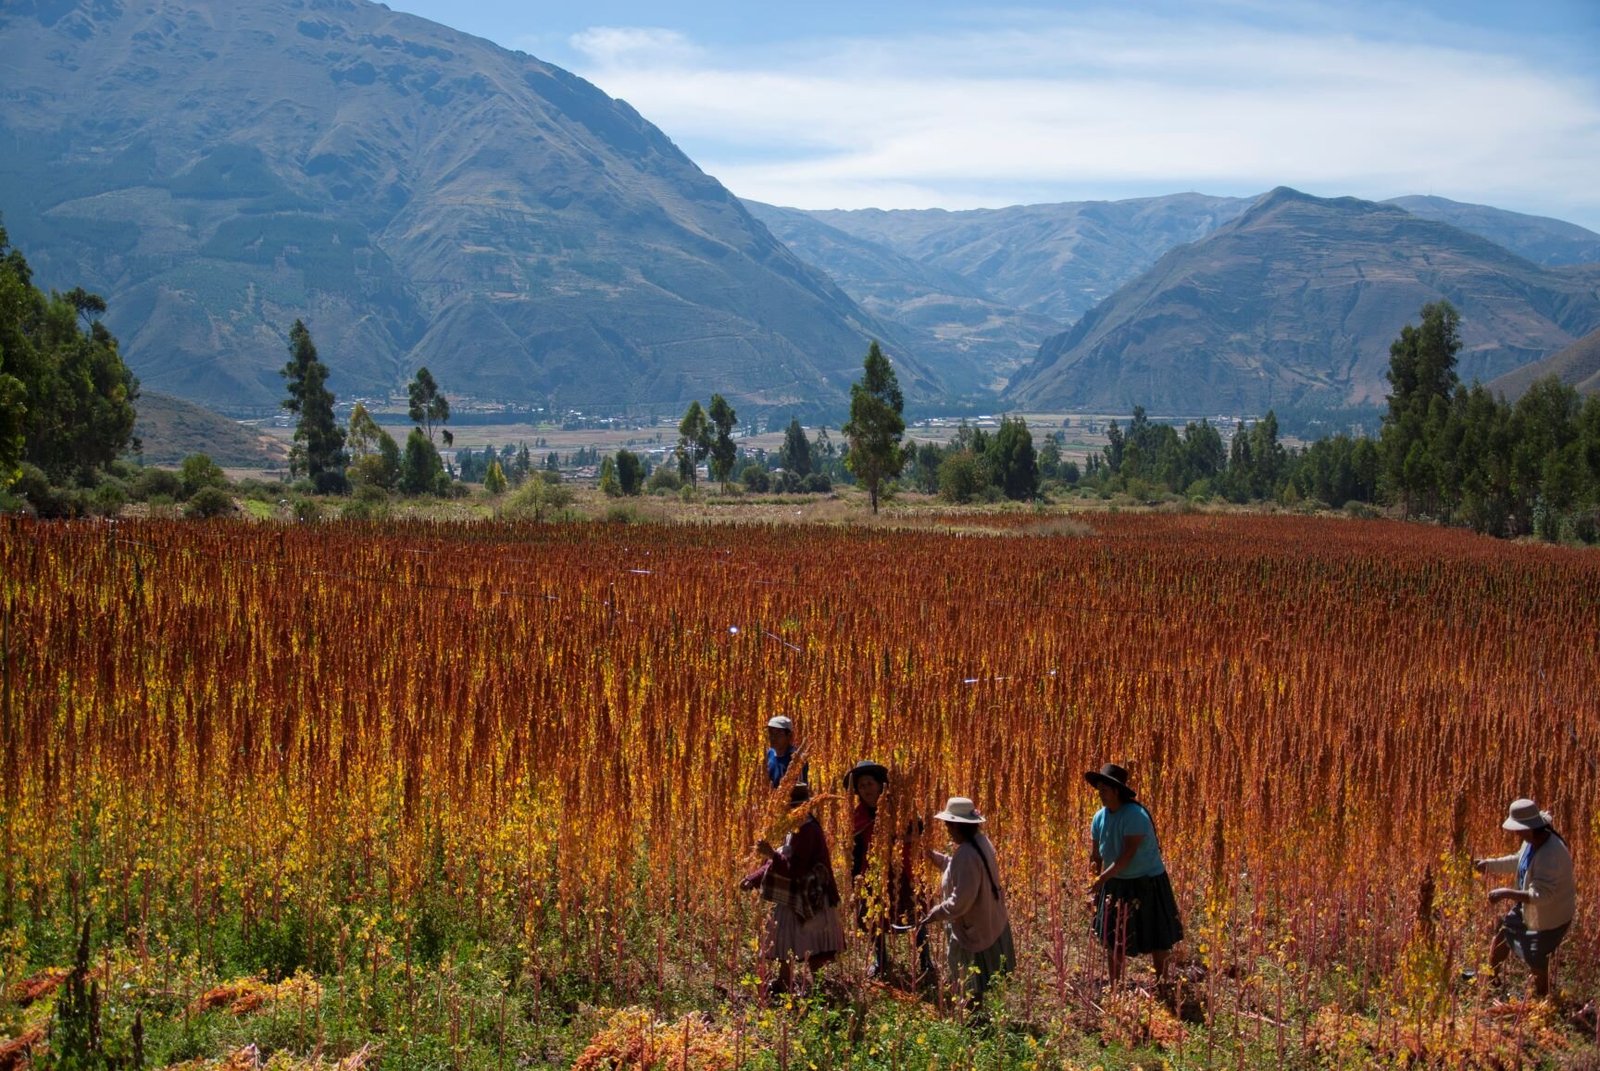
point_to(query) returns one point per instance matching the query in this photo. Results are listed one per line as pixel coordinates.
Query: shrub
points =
(199, 471)
(540, 496)
(665, 480)
(210, 502)
(108, 498)
(306, 510)
(755, 478)
(152, 483)
(46, 500)
(817, 484)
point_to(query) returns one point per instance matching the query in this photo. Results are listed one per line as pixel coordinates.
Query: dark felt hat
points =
(866, 766)
(1113, 775)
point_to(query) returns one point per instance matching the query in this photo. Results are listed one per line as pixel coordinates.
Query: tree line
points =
(1446, 452)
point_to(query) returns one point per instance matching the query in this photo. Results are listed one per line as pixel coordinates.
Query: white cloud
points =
(1113, 103)
(616, 46)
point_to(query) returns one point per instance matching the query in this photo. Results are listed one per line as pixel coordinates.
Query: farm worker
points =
(1135, 911)
(890, 901)
(781, 750)
(973, 909)
(1544, 898)
(798, 879)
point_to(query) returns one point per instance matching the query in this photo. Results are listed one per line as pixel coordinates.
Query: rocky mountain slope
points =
(1577, 366)
(418, 196)
(1294, 304)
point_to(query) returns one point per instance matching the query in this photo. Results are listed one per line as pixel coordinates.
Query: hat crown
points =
(961, 807)
(1525, 815)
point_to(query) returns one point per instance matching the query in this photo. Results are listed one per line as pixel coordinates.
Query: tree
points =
(66, 397)
(609, 484)
(875, 425)
(374, 455)
(795, 454)
(421, 469)
(961, 476)
(694, 441)
(1422, 377)
(723, 452)
(428, 405)
(318, 450)
(630, 472)
(494, 480)
(1015, 466)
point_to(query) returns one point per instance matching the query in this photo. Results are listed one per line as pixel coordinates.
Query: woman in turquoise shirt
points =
(1135, 911)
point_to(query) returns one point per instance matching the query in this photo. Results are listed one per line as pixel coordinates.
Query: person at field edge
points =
(1544, 898)
(797, 878)
(781, 750)
(893, 903)
(973, 907)
(1135, 911)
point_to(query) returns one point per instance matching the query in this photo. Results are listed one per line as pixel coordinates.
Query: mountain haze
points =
(972, 338)
(1546, 241)
(418, 196)
(1578, 366)
(1052, 260)
(1296, 303)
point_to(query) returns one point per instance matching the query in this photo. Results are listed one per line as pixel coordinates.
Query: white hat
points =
(781, 722)
(960, 809)
(1525, 815)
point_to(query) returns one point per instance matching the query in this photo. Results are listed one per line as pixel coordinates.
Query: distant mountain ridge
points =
(418, 196)
(1295, 302)
(1578, 366)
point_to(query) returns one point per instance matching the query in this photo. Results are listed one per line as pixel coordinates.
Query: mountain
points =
(1537, 238)
(170, 429)
(973, 339)
(1577, 366)
(1295, 303)
(418, 196)
(1053, 260)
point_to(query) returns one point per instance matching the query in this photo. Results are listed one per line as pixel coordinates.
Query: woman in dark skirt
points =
(1135, 911)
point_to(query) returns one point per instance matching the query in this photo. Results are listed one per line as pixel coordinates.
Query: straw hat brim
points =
(964, 819)
(1515, 826)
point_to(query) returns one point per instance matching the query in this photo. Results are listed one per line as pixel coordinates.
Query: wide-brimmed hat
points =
(866, 766)
(782, 721)
(1525, 815)
(960, 809)
(1113, 775)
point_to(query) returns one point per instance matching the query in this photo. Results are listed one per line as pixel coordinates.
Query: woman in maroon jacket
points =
(798, 879)
(890, 901)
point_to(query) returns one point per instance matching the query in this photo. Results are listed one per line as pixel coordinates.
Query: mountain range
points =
(1295, 303)
(422, 197)
(416, 195)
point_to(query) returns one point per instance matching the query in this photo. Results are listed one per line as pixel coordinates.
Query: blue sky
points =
(937, 103)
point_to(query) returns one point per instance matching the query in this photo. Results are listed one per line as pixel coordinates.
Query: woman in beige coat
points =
(972, 907)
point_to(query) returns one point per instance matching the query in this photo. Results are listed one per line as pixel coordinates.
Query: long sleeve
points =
(963, 879)
(1552, 892)
(1502, 864)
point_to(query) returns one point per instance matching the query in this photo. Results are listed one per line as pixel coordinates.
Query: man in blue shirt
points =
(781, 750)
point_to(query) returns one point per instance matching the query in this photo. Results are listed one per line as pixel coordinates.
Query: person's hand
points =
(1497, 895)
(1479, 864)
(764, 849)
(748, 883)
